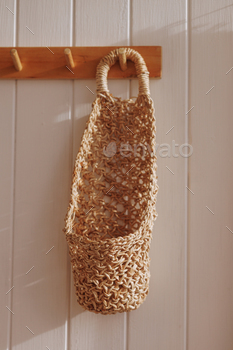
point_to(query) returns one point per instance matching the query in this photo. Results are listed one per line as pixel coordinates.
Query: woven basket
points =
(113, 196)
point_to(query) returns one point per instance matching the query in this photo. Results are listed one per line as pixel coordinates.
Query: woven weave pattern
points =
(112, 208)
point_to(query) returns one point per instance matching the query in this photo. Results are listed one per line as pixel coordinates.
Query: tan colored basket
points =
(113, 196)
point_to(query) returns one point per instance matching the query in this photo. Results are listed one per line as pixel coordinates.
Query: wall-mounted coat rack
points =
(72, 62)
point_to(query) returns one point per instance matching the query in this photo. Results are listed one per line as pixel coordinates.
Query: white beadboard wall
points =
(190, 304)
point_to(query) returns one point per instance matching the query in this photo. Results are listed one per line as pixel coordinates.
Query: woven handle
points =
(109, 60)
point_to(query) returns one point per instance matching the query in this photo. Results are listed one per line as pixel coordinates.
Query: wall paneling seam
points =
(129, 43)
(15, 38)
(72, 22)
(12, 213)
(13, 181)
(71, 120)
(187, 103)
(68, 271)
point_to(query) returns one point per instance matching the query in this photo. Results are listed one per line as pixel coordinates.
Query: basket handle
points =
(109, 60)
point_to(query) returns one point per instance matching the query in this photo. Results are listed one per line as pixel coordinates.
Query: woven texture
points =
(113, 196)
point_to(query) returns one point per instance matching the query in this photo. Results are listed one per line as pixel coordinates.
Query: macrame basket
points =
(113, 196)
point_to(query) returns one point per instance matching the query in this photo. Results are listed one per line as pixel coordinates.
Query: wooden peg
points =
(69, 58)
(16, 60)
(122, 59)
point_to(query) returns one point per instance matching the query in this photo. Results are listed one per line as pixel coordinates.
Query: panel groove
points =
(13, 209)
(187, 103)
(72, 41)
(129, 42)
(69, 272)
(15, 39)
(14, 102)
(7, 158)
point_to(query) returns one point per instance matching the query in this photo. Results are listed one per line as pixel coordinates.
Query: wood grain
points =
(50, 63)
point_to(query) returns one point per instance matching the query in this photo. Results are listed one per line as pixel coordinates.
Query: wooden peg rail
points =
(72, 62)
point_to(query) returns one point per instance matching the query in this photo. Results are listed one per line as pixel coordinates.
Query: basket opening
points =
(115, 178)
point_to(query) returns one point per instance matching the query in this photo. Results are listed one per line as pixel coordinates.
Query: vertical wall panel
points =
(159, 323)
(44, 23)
(104, 24)
(210, 299)
(6, 205)
(43, 162)
(7, 89)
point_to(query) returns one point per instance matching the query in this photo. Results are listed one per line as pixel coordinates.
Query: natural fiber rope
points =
(109, 60)
(112, 207)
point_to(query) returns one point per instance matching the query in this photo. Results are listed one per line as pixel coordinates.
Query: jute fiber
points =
(113, 196)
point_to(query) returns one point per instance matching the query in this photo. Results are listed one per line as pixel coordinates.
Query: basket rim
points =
(139, 233)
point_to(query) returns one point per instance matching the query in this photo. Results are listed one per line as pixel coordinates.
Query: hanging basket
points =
(113, 196)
